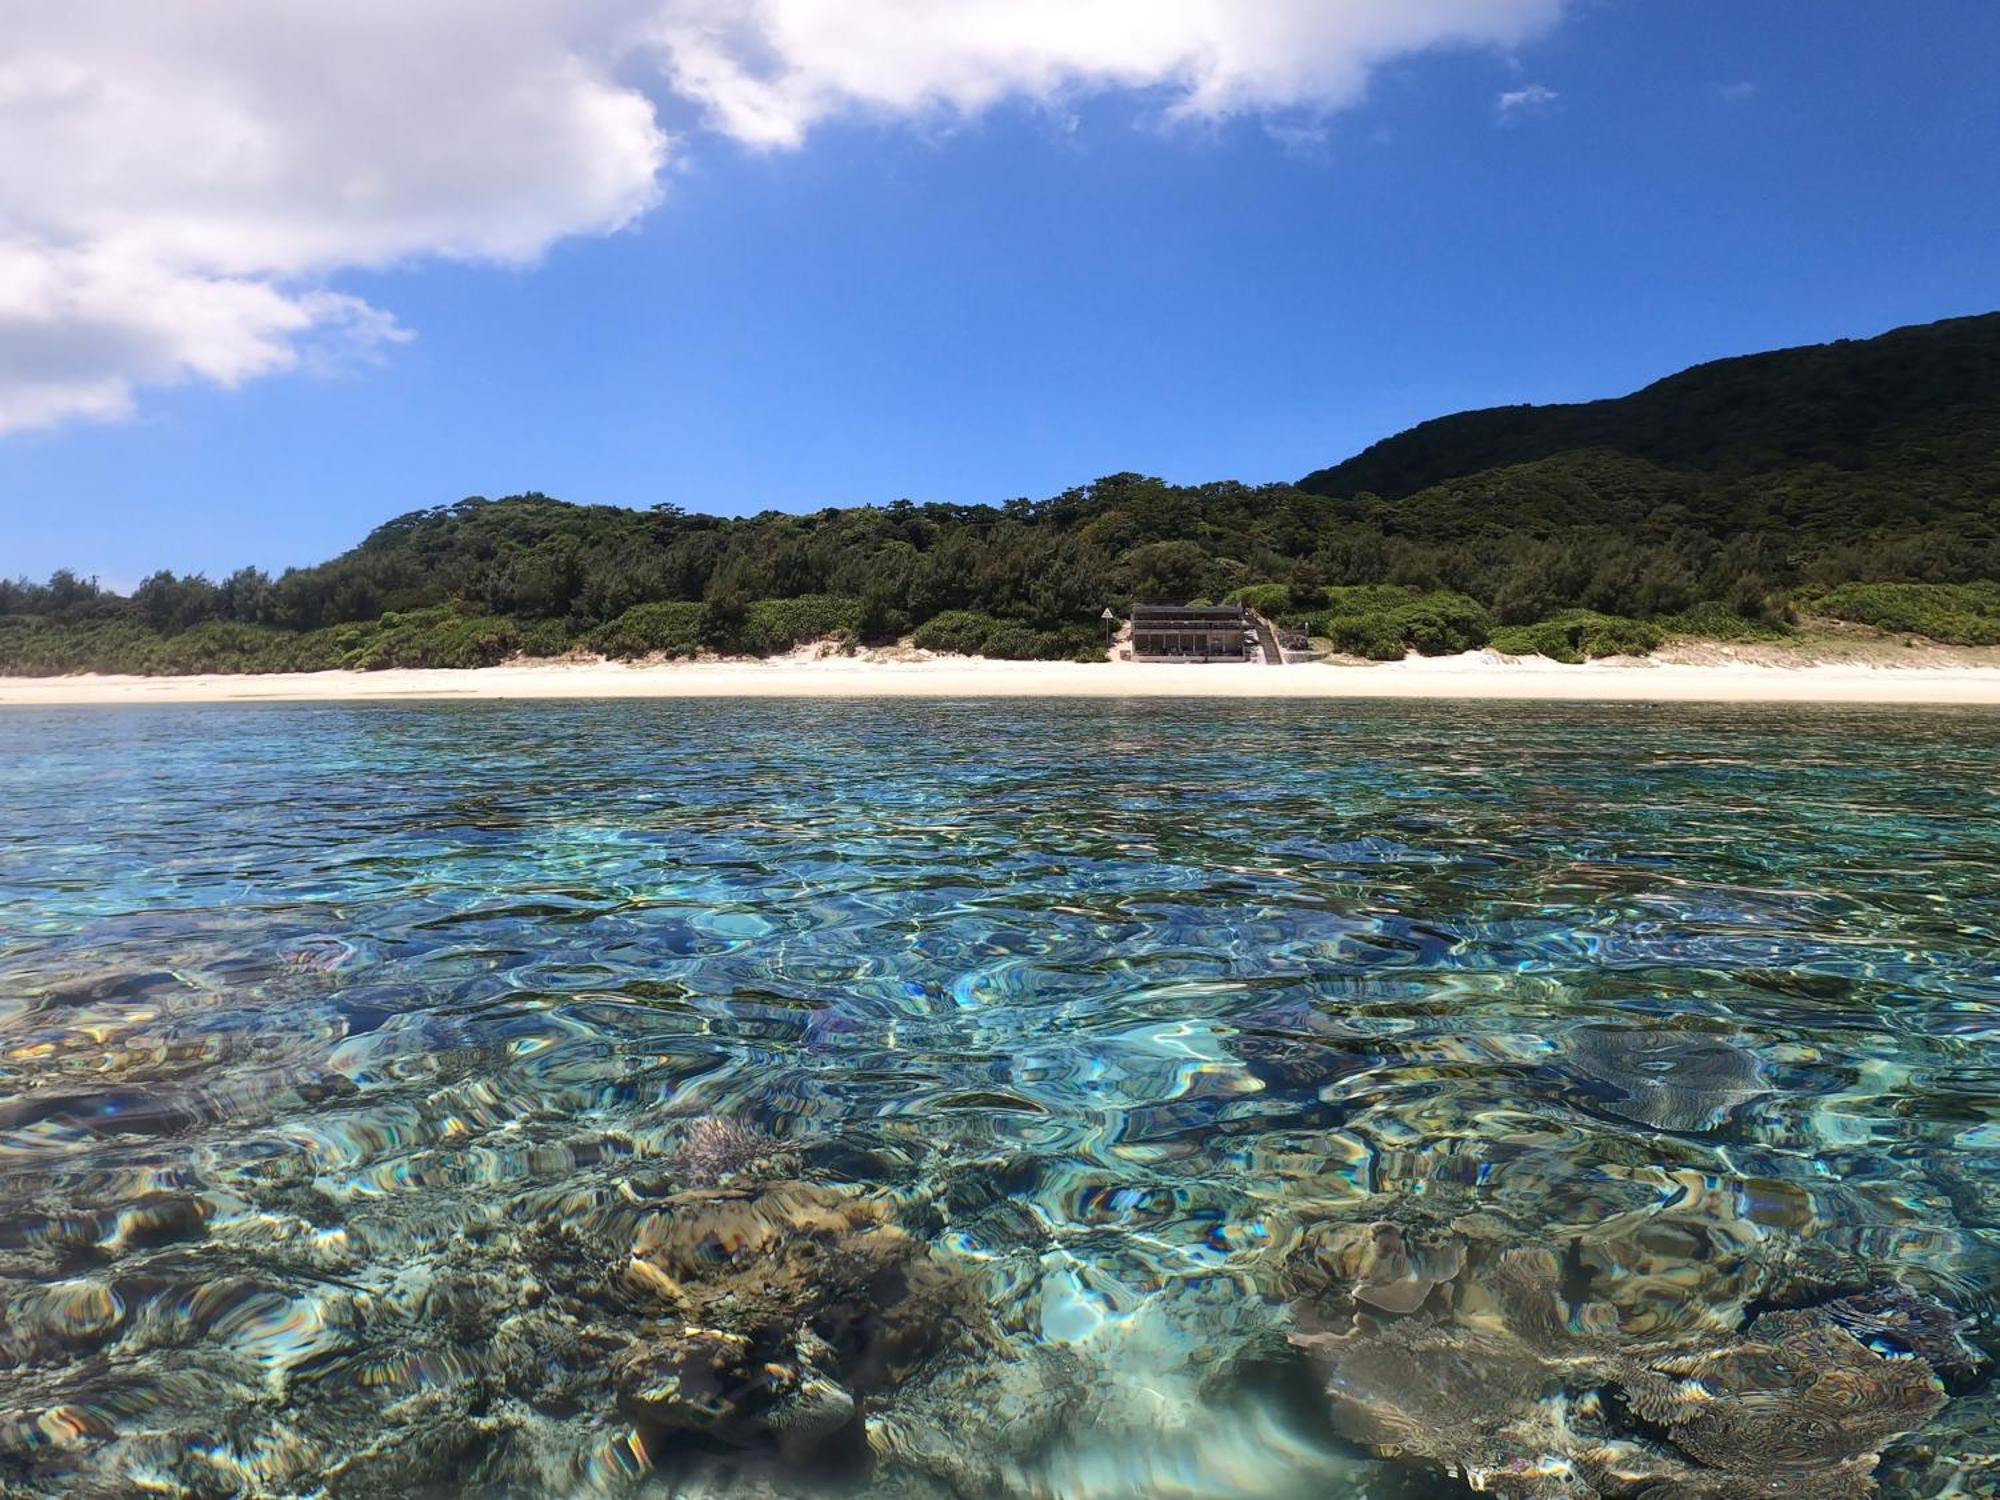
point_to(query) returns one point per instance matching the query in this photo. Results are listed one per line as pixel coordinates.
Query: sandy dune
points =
(1476, 675)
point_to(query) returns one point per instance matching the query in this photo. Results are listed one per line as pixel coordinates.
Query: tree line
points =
(1730, 493)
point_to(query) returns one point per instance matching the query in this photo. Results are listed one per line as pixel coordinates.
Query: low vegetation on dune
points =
(968, 632)
(1965, 614)
(1857, 482)
(1580, 635)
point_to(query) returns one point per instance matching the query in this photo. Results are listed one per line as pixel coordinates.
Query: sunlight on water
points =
(1072, 1101)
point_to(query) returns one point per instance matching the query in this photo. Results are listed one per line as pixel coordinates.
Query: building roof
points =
(1158, 615)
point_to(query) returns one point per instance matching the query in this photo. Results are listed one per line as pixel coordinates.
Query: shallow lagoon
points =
(965, 1098)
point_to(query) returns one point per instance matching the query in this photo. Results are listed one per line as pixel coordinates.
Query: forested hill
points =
(1833, 480)
(1838, 440)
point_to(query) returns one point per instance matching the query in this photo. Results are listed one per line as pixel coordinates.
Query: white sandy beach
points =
(1475, 675)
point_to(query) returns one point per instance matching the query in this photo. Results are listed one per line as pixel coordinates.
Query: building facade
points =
(1189, 632)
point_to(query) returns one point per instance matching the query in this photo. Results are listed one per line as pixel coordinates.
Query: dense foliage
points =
(1845, 443)
(1854, 480)
(1580, 635)
(967, 632)
(1963, 614)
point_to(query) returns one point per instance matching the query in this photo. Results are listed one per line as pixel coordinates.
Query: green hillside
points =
(1858, 480)
(1841, 443)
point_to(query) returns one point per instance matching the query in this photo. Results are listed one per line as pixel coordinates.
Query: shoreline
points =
(1472, 677)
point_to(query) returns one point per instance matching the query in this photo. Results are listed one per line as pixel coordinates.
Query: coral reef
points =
(818, 1296)
(562, 1343)
(713, 1150)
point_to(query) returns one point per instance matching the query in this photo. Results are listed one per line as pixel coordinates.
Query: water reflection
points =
(1070, 1100)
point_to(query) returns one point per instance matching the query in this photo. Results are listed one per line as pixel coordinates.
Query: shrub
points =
(437, 637)
(545, 638)
(1385, 623)
(1716, 621)
(1265, 598)
(1302, 596)
(1578, 635)
(962, 632)
(1958, 614)
(1443, 624)
(772, 625)
(31, 647)
(667, 629)
(1009, 640)
(1373, 636)
(967, 632)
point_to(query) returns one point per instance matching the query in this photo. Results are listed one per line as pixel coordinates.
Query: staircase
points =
(1268, 639)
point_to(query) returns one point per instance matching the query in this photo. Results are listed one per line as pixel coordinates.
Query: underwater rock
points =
(963, 1425)
(1667, 1078)
(57, 1318)
(321, 953)
(1349, 1270)
(705, 1381)
(1909, 1324)
(1798, 1398)
(1401, 1275)
(699, 1380)
(1485, 1392)
(1505, 1383)
(1462, 1396)
(812, 1406)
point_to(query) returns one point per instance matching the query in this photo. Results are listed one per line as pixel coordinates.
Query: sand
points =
(1475, 675)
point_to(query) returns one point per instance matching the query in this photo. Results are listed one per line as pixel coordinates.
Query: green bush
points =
(1958, 614)
(437, 637)
(1443, 624)
(220, 647)
(1716, 621)
(35, 647)
(545, 638)
(1373, 636)
(962, 632)
(966, 632)
(761, 627)
(1578, 635)
(1265, 598)
(774, 625)
(666, 629)
(1385, 623)
(1010, 640)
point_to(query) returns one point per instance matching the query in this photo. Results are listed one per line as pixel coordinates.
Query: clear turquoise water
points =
(308, 1014)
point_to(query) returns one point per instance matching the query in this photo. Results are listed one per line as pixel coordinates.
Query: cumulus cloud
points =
(182, 175)
(184, 178)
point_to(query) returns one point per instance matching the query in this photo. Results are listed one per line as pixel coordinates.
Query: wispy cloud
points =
(1737, 92)
(1526, 100)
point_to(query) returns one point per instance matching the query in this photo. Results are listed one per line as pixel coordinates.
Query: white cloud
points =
(1517, 102)
(1737, 93)
(767, 70)
(183, 177)
(80, 329)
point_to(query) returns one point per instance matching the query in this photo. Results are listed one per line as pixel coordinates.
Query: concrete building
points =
(1189, 632)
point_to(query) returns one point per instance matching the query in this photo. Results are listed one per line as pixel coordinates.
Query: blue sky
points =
(973, 305)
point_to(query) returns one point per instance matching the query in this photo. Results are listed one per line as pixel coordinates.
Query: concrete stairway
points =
(1268, 639)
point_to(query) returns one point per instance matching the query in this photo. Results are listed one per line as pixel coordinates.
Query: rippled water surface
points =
(990, 1099)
